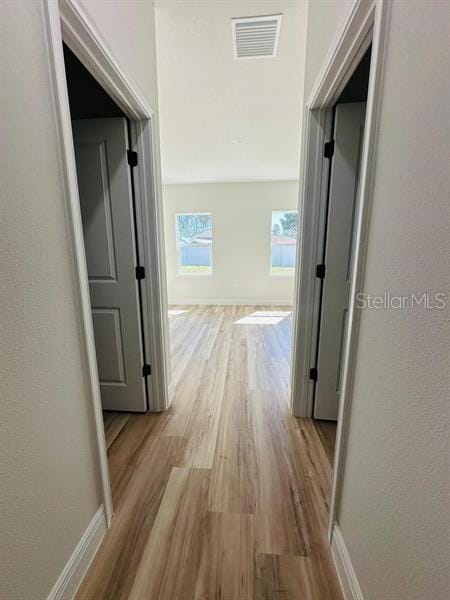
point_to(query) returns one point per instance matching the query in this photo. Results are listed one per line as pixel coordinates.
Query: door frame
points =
(366, 23)
(68, 21)
(321, 409)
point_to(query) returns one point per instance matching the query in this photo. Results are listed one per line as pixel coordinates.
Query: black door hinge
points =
(132, 158)
(320, 271)
(313, 374)
(146, 370)
(328, 149)
(140, 272)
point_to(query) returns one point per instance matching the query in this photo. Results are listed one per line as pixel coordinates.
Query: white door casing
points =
(106, 200)
(342, 203)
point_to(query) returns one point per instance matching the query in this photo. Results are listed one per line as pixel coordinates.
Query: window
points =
(194, 243)
(283, 242)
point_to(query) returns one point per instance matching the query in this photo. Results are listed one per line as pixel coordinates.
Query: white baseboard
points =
(342, 562)
(228, 302)
(76, 567)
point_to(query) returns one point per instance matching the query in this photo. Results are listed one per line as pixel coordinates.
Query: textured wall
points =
(241, 255)
(128, 28)
(325, 18)
(394, 515)
(394, 511)
(49, 481)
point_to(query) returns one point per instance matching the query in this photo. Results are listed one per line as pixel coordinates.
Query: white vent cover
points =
(256, 37)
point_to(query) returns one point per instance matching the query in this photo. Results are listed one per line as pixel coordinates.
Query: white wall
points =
(394, 509)
(326, 17)
(241, 253)
(200, 82)
(128, 29)
(49, 481)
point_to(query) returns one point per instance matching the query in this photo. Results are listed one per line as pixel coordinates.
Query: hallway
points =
(225, 495)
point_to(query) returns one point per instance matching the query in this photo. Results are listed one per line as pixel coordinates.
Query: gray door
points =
(343, 190)
(104, 182)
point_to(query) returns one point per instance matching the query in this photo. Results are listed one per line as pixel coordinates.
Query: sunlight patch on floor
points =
(264, 317)
(174, 312)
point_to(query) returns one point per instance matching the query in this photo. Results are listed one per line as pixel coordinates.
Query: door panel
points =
(106, 202)
(108, 334)
(343, 192)
(96, 215)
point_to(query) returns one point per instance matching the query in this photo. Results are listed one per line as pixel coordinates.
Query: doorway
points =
(358, 49)
(334, 273)
(105, 165)
(337, 194)
(339, 212)
(69, 27)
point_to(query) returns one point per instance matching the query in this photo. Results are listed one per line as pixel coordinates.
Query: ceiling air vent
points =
(256, 37)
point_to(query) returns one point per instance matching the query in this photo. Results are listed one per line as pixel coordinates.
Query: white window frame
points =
(177, 243)
(271, 273)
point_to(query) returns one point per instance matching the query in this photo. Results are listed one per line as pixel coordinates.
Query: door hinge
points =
(313, 374)
(328, 149)
(320, 271)
(132, 158)
(146, 370)
(140, 272)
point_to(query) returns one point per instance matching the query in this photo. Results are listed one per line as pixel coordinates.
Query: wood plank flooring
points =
(224, 496)
(327, 434)
(114, 422)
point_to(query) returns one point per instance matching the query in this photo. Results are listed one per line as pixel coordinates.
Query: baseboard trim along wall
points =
(228, 302)
(72, 575)
(342, 562)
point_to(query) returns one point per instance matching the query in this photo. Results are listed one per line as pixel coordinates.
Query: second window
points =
(283, 242)
(194, 243)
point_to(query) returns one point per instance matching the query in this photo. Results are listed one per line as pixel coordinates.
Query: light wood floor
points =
(225, 496)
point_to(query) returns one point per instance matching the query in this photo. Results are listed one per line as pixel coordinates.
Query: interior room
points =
(230, 143)
(224, 316)
(96, 123)
(230, 247)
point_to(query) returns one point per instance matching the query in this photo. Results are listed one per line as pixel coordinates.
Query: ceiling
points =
(224, 119)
